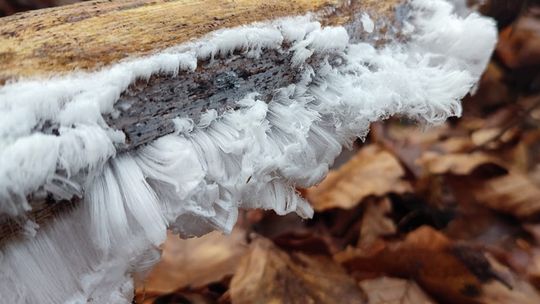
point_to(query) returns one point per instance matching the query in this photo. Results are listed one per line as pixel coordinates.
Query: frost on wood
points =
(194, 181)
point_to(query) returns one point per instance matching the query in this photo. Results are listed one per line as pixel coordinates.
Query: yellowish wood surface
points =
(89, 35)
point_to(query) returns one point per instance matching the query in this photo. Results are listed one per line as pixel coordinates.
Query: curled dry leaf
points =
(372, 171)
(530, 262)
(519, 45)
(493, 138)
(483, 136)
(455, 144)
(527, 263)
(406, 143)
(483, 226)
(492, 91)
(503, 189)
(521, 293)
(527, 154)
(452, 272)
(456, 163)
(375, 222)
(385, 290)
(534, 174)
(533, 267)
(194, 262)
(269, 275)
(512, 193)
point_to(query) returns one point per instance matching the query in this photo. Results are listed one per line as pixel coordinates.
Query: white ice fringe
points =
(195, 180)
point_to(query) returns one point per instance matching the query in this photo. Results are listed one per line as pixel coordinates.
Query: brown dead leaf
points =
(494, 138)
(492, 91)
(513, 193)
(375, 222)
(533, 269)
(269, 275)
(519, 45)
(527, 260)
(453, 273)
(194, 262)
(406, 143)
(496, 185)
(455, 144)
(526, 156)
(531, 265)
(521, 293)
(534, 174)
(483, 226)
(483, 136)
(456, 163)
(306, 242)
(372, 171)
(385, 290)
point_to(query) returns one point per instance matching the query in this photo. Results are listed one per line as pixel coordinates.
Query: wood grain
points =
(90, 35)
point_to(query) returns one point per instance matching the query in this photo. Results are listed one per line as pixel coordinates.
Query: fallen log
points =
(122, 119)
(52, 42)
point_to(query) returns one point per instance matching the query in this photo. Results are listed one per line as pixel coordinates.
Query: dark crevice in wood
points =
(145, 111)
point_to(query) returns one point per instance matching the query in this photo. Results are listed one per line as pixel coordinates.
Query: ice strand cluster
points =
(194, 181)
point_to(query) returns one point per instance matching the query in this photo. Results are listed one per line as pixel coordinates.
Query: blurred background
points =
(446, 214)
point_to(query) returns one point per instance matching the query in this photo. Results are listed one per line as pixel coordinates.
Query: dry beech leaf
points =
(375, 222)
(493, 138)
(483, 226)
(456, 163)
(534, 174)
(269, 275)
(533, 269)
(195, 262)
(521, 293)
(406, 143)
(527, 154)
(509, 191)
(529, 264)
(455, 144)
(491, 92)
(483, 136)
(452, 272)
(519, 45)
(512, 193)
(385, 290)
(372, 171)
(309, 242)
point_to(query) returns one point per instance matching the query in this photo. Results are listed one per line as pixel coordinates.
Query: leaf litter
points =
(449, 214)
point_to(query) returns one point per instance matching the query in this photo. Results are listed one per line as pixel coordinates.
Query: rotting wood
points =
(90, 35)
(147, 108)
